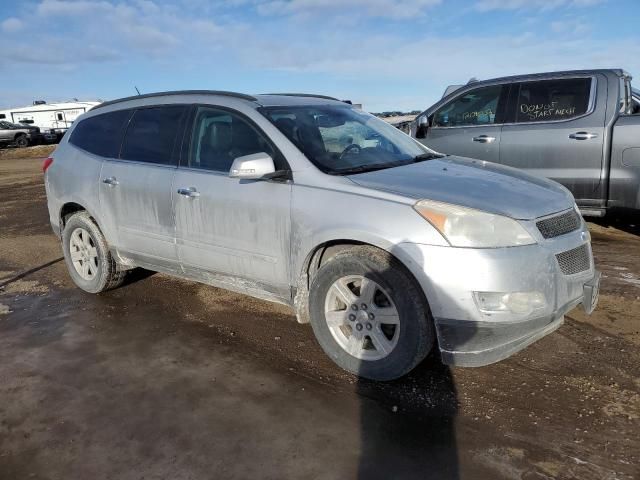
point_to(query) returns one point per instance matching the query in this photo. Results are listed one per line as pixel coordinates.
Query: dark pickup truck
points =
(580, 128)
(18, 135)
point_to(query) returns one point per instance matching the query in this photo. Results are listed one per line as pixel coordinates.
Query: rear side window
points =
(152, 135)
(549, 100)
(102, 134)
(477, 107)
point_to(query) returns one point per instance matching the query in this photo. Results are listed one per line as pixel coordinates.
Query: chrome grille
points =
(575, 260)
(560, 224)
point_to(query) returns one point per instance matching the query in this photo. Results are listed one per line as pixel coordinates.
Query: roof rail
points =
(325, 97)
(178, 92)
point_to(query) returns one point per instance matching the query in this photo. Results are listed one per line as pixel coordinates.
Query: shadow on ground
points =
(411, 440)
(621, 220)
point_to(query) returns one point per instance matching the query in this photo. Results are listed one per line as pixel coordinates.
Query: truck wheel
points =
(22, 141)
(369, 314)
(90, 264)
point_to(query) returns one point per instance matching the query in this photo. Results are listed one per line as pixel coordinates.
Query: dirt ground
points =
(164, 378)
(35, 151)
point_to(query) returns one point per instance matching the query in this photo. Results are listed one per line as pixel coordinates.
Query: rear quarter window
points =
(550, 100)
(102, 134)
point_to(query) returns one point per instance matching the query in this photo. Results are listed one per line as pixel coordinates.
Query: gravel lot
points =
(164, 378)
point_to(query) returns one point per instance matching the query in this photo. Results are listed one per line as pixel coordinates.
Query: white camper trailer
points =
(52, 118)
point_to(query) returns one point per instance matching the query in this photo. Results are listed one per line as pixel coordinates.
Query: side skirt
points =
(277, 294)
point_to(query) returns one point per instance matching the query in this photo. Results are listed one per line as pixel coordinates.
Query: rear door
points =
(135, 189)
(239, 229)
(469, 125)
(557, 131)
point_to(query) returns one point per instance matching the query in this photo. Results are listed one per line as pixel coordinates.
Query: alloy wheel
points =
(84, 254)
(362, 317)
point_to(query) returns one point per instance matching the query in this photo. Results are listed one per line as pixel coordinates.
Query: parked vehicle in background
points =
(580, 128)
(18, 135)
(53, 119)
(386, 247)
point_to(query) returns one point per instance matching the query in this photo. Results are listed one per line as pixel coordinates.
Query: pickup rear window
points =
(549, 100)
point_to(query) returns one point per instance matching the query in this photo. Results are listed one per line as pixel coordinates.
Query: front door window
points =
(477, 107)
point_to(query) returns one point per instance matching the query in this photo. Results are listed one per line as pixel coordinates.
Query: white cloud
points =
(396, 9)
(570, 26)
(11, 25)
(79, 7)
(400, 69)
(107, 31)
(489, 5)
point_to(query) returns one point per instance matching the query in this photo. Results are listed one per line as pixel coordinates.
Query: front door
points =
(469, 125)
(6, 131)
(558, 133)
(230, 230)
(135, 190)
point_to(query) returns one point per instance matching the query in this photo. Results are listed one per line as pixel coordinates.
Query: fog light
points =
(521, 303)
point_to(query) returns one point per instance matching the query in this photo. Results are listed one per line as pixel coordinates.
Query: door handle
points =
(583, 136)
(484, 139)
(190, 192)
(111, 181)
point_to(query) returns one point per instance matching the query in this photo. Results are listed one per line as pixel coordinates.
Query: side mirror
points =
(252, 167)
(422, 125)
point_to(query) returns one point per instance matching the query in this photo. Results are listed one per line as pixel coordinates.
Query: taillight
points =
(46, 164)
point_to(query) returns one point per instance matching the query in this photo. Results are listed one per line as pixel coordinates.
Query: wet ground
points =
(164, 378)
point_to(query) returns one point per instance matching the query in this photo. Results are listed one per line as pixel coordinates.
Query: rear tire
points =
(369, 314)
(90, 264)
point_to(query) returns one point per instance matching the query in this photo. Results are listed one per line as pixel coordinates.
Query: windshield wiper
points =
(381, 166)
(359, 169)
(427, 156)
(367, 168)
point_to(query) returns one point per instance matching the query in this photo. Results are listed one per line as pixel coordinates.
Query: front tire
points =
(369, 314)
(22, 141)
(90, 264)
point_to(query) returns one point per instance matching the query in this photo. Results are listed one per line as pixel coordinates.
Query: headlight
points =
(467, 227)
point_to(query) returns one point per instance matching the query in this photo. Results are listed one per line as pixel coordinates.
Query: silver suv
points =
(386, 247)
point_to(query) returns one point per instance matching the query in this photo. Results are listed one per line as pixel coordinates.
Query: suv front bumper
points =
(475, 344)
(469, 336)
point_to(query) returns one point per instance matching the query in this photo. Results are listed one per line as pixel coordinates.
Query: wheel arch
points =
(323, 252)
(69, 208)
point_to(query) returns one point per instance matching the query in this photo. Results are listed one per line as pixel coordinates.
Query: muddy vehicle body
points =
(389, 249)
(579, 128)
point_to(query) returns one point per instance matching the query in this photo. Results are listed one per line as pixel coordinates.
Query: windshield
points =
(341, 140)
(10, 125)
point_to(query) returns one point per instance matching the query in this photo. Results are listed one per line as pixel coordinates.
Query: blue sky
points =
(386, 54)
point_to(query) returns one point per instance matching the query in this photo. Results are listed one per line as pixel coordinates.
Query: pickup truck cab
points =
(579, 128)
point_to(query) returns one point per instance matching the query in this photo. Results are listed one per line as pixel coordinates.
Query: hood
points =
(472, 183)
